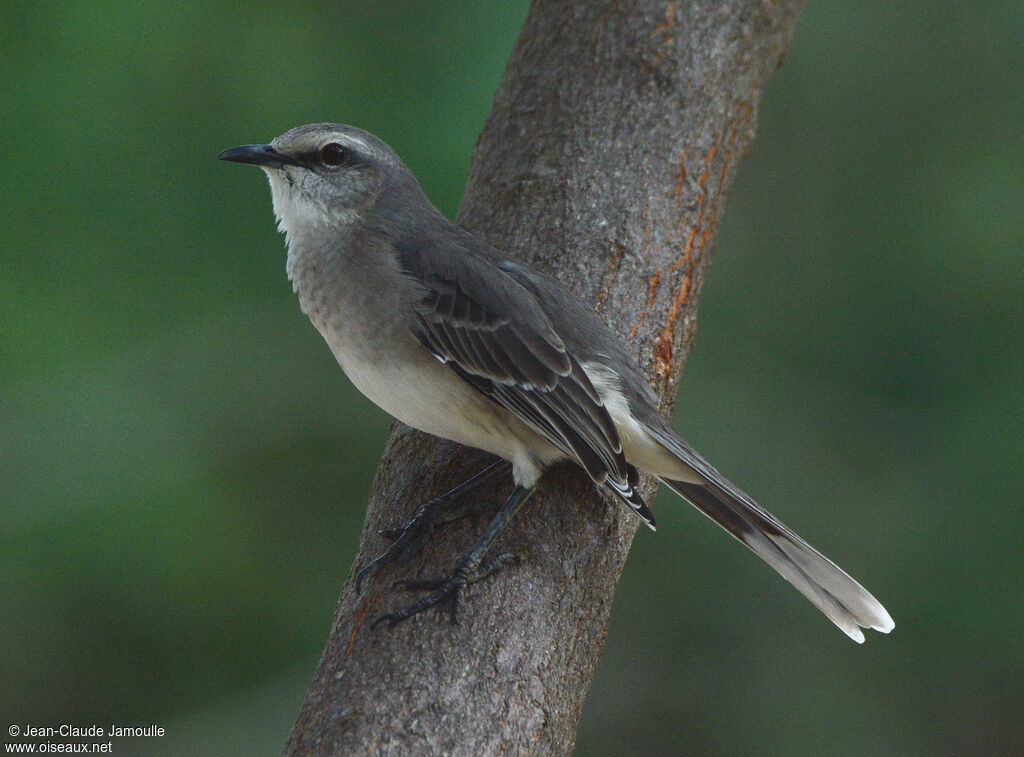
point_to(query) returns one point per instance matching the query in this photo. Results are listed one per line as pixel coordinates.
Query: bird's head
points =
(324, 175)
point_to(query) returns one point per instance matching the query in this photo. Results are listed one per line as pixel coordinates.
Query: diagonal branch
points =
(605, 161)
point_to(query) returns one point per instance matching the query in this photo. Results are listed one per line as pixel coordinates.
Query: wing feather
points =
(493, 332)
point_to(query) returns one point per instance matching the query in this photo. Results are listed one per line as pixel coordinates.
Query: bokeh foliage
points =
(183, 466)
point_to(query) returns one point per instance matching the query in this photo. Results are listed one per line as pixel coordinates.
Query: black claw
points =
(468, 570)
(441, 590)
(448, 590)
(412, 536)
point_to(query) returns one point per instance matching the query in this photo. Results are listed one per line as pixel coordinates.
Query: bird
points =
(448, 335)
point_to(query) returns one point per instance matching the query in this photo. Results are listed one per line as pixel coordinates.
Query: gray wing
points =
(495, 335)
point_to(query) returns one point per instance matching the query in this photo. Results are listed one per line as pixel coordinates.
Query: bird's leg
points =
(470, 569)
(453, 504)
(411, 537)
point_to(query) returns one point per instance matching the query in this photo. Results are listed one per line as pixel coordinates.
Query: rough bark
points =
(605, 161)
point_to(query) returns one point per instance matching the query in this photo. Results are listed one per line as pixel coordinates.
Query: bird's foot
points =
(445, 589)
(411, 537)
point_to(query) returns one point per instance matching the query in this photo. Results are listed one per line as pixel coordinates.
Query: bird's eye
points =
(333, 154)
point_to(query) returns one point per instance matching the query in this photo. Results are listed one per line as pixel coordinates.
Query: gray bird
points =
(441, 331)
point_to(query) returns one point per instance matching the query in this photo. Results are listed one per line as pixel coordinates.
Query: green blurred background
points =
(183, 467)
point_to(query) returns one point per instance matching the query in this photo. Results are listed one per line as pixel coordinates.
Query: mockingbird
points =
(441, 331)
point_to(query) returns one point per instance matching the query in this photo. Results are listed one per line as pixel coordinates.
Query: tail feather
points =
(844, 601)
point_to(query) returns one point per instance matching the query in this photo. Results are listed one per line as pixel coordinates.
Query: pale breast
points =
(408, 382)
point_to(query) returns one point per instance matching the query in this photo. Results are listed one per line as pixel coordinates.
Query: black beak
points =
(258, 155)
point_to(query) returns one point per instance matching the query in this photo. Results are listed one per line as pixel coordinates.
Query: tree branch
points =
(605, 161)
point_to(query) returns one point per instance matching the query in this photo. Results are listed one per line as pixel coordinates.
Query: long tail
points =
(844, 601)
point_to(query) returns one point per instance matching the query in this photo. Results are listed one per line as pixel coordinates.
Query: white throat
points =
(297, 215)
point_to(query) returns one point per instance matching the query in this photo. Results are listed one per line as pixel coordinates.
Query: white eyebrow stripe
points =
(367, 148)
(364, 146)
